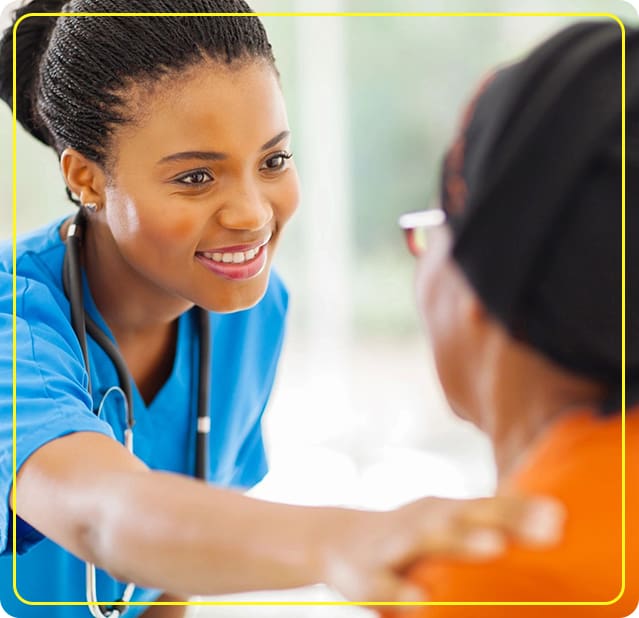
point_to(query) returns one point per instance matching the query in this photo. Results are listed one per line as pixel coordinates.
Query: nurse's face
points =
(201, 184)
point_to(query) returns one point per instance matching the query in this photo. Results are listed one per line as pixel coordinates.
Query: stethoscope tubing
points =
(82, 325)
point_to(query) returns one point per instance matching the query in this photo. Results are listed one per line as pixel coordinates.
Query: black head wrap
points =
(532, 187)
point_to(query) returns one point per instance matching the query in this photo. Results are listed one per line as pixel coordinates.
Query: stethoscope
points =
(83, 324)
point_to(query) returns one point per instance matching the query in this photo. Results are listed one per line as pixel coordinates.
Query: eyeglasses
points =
(418, 226)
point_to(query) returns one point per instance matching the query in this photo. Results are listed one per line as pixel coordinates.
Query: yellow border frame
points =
(623, 305)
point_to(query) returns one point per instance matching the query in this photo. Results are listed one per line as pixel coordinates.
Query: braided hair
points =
(74, 72)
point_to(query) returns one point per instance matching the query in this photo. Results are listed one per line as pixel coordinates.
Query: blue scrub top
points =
(52, 401)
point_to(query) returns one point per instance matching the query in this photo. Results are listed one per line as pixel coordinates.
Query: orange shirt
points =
(579, 461)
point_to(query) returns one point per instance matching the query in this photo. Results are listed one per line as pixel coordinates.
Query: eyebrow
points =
(211, 155)
(278, 138)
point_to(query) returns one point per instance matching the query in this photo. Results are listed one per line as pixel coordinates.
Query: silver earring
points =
(91, 206)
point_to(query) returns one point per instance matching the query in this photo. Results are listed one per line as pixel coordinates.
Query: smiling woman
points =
(173, 140)
(197, 199)
(196, 202)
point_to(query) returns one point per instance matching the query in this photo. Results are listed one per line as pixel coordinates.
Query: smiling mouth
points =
(233, 257)
(236, 263)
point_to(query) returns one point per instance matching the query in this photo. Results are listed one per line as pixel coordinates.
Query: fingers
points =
(370, 561)
(530, 520)
(481, 544)
(479, 529)
(386, 587)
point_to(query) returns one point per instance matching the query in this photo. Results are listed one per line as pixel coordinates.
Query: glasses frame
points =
(411, 222)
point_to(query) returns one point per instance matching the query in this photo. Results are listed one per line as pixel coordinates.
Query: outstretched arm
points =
(166, 531)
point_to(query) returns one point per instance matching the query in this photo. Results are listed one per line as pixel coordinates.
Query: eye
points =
(194, 178)
(277, 161)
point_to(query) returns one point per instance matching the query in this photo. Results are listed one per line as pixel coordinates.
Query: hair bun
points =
(31, 40)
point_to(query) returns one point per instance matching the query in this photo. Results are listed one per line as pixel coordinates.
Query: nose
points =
(246, 208)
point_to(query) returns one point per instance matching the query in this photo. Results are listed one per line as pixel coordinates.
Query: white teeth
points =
(233, 258)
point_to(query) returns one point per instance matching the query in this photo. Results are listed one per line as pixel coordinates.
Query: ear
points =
(85, 178)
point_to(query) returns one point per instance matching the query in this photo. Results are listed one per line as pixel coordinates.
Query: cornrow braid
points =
(74, 71)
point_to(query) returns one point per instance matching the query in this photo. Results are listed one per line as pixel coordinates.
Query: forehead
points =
(210, 104)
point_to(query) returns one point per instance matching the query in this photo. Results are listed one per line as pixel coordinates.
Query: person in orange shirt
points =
(520, 287)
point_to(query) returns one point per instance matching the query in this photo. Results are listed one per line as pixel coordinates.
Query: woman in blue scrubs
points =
(174, 142)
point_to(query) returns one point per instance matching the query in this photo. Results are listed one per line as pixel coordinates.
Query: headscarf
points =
(532, 188)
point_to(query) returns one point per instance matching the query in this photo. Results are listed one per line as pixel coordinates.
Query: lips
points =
(238, 262)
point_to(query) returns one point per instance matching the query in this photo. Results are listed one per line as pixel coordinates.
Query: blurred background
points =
(357, 417)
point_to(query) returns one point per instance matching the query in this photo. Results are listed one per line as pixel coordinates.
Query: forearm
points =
(168, 531)
(167, 611)
(174, 533)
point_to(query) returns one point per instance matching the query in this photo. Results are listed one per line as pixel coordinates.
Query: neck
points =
(130, 304)
(523, 396)
(142, 318)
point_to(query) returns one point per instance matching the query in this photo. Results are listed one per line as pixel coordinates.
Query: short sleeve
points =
(52, 399)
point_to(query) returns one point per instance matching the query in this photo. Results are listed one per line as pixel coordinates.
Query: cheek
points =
(440, 312)
(140, 221)
(429, 296)
(432, 306)
(122, 216)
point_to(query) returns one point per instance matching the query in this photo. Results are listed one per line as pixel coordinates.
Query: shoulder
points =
(39, 293)
(578, 461)
(38, 275)
(582, 445)
(38, 256)
(44, 337)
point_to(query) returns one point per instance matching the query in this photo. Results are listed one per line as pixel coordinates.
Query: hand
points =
(366, 557)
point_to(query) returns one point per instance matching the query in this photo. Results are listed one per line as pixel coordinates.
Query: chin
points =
(464, 412)
(239, 299)
(459, 412)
